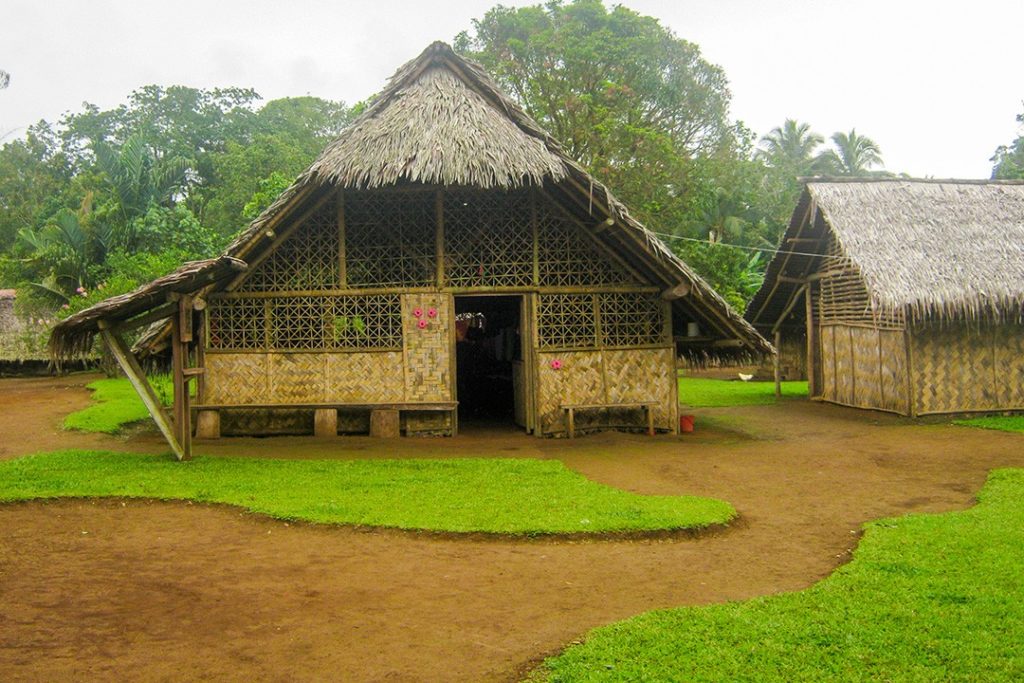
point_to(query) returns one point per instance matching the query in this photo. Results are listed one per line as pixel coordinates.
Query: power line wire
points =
(734, 246)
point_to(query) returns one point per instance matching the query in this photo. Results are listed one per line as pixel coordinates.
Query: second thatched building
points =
(905, 295)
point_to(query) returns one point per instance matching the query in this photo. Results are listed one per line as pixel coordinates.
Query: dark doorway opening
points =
(488, 347)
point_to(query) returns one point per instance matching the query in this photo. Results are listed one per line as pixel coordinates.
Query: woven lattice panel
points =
(365, 322)
(488, 239)
(299, 323)
(566, 321)
(579, 379)
(642, 375)
(389, 238)
(844, 297)
(307, 259)
(365, 377)
(568, 258)
(237, 324)
(297, 377)
(1009, 349)
(629, 319)
(893, 371)
(237, 378)
(954, 369)
(427, 348)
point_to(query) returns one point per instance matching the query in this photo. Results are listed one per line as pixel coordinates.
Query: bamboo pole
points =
(126, 360)
(812, 384)
(776, 364)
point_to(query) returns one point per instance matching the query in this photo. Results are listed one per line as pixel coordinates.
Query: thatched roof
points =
(925, 248)
(442, 120)
(73, 336)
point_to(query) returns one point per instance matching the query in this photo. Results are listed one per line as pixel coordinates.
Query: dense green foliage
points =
(716, 393)
(527, 497)
(1009, 159)
(117, 197)
(926, 598)
(115, 404)
(1004, 423)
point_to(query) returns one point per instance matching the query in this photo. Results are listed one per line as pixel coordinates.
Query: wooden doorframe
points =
(526, 347)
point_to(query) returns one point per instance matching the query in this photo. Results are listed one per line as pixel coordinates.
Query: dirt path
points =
(160, 591)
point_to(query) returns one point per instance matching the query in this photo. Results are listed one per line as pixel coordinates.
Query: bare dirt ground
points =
(142, 590)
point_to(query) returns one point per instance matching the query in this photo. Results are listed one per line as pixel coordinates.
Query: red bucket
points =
(686, 423)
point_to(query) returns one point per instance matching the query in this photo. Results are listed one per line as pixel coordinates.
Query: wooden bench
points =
(325, 419)
(570, 413)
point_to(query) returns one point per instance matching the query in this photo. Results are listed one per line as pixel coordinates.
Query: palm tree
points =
(791, 146)
(854, 155)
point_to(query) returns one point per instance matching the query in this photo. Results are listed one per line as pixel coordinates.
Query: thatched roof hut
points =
(444, 188)
(907, 285)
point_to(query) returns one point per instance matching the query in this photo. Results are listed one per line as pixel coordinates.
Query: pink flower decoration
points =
(556, 364)
(421, 323)
(432, 313)
(418, 312)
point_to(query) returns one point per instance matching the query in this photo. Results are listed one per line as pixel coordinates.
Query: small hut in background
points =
(443, 258)
(906, 295)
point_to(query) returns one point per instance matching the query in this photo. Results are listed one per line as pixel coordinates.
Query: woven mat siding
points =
(365, 378)
(864, 367)
(964, 368)
(298, 377)
(606, 376)
(893, 371)
(1009, 345)
(640, 376)
(828, 364)
(237, 378)
(428, 349)
(579, 380)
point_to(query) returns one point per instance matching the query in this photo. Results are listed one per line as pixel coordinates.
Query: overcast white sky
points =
(937, 84)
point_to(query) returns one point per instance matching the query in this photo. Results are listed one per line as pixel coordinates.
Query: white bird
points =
(745, 378)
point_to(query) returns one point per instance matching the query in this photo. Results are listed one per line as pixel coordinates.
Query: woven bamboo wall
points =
(297, 378)
(864, 367)
(963, 368)
(606, 376)
(428, 361)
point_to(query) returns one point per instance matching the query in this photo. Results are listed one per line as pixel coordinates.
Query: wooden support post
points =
(650, 420)
(811, 383)
(342, 261)
(180, 331)
(208, 424)
(384, 423)
(123, 355)
(439, 239)
(570, 425)
(325, 423)
(776, 364)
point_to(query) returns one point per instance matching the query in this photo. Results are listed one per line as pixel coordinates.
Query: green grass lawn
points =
(1011, 423)
(926, 598)
(115, 404)
(506, 496)
(717, 393)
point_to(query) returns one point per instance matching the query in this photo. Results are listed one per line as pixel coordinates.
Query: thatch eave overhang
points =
(74, 335)
(926, 250)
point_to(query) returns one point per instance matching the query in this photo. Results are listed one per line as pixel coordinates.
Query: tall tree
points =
(629, 99)
(853, 155)
(1009, 159)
